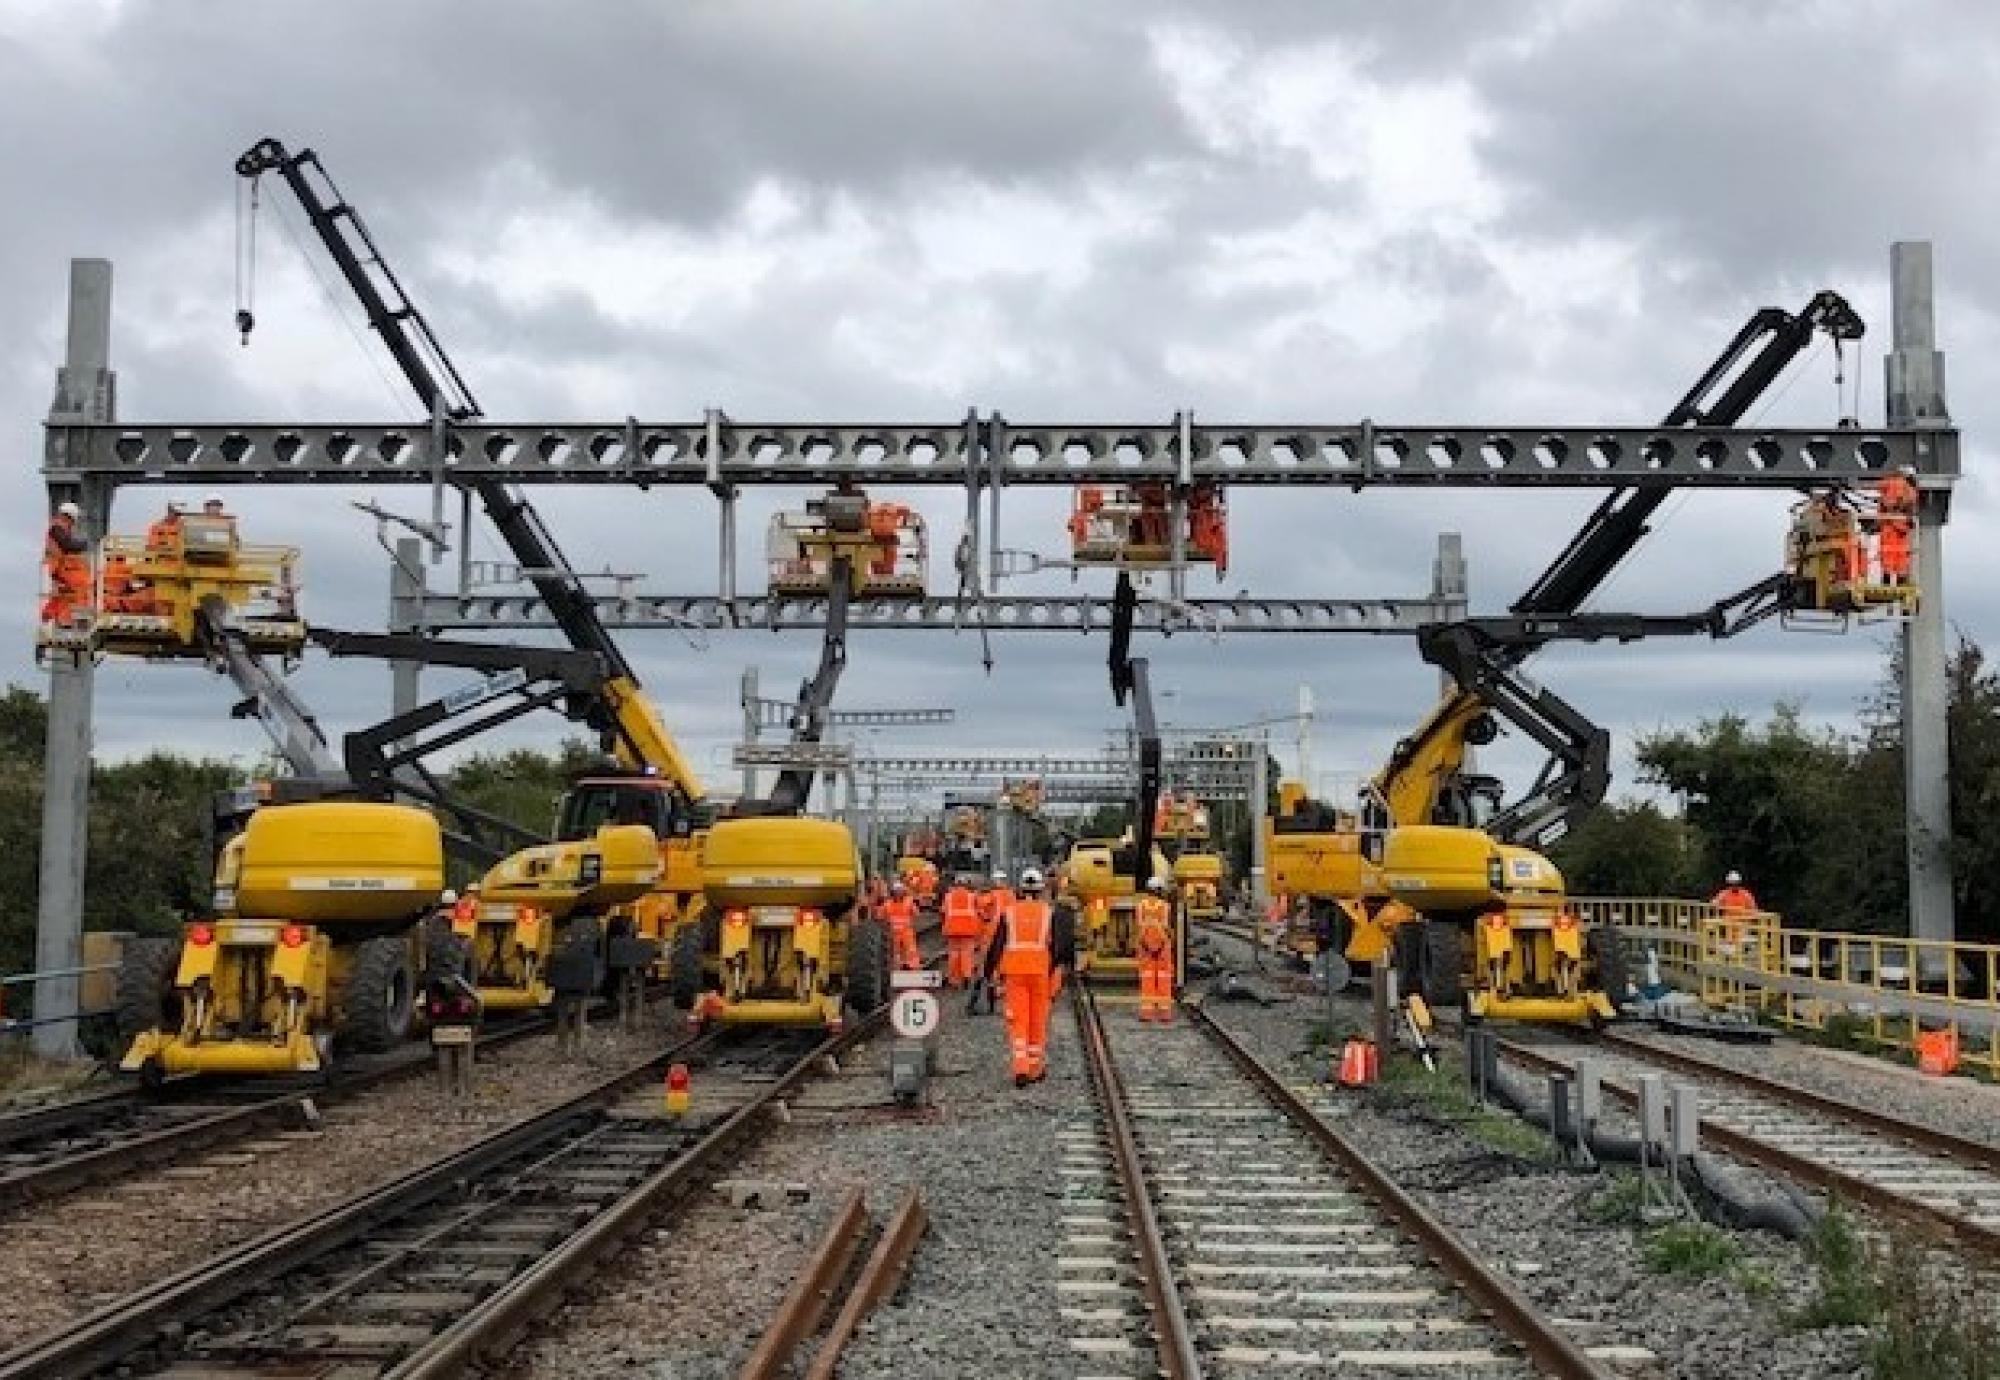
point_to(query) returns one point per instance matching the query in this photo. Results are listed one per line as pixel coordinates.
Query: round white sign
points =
(914, 1015)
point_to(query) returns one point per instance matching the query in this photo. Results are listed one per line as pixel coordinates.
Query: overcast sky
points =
(1314, 212)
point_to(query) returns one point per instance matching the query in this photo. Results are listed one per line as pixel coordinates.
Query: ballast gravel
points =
(690, 1301)
(65, 1258)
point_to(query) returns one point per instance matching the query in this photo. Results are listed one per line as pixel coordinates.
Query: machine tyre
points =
(1444, 966)
(1608, 967)
(867, 965)
(691, 946)
(375, 1014)
(146, 996)
(447, 954)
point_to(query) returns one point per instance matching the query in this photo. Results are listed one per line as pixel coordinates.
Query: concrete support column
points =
(1915, 397)
(752, 726)
(1260, 795)
(85, 392)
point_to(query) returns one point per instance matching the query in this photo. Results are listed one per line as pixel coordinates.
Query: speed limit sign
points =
(914, 1014)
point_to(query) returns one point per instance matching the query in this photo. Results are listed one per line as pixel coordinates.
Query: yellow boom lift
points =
(1430, 871)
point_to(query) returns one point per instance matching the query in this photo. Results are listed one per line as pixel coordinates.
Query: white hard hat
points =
(1734, 879)
(1002, 876)
(1906, 469)
(448, 897)
(215, 499)
(69, 510)
(1156, 884)
(472, 887)
(1031, 878)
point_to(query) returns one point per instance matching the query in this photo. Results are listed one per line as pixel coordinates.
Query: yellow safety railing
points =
(1885, 989)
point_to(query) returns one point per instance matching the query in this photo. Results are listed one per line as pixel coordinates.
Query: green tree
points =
(1632, 849)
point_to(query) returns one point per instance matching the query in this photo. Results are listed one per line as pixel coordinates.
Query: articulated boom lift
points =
(1107, 877)
(1398, 856)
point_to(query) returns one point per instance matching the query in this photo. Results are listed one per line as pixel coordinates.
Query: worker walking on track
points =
(1154, 945)
(991, 905)
(1895, 514)
(961, 933)
(901, 913)
(1735, 901)
(1030, 954)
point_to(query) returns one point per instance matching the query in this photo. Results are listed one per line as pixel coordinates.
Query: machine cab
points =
(594, 802)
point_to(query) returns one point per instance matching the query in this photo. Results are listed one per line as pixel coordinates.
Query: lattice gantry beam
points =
(1354, 455)
(1031, 613)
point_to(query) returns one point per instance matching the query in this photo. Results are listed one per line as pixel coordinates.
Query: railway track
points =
(1256, 1236)
(1856, 1153)
(430, 1273)
(59, 1148)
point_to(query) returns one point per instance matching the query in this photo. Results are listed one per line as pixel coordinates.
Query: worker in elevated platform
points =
(1895, 518)
(65, 559)
(900, 913)
(164, 533)
(1153, 944)
(1031, 953)
(961, 933)
(1736, 901)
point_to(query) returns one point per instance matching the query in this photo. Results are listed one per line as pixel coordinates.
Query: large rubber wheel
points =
(375, 1014)
(867, 965)
(447, 955)
(146, 996)
(693, 942)
(1444, 966)
(1608, 969)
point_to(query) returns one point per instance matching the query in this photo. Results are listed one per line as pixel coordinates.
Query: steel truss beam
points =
(1078, 613)
(779, 714)
(986, 453)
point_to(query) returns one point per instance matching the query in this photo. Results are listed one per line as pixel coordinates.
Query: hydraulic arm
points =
(1424, 781)
(809, 719)
(1131, 682)
(622, 714)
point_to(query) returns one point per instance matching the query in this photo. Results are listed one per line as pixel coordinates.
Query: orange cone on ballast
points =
(677, 1090)
(1359, 1064)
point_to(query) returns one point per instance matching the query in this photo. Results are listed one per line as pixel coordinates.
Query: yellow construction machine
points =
(1181, 823)
(316, 939)
(1102, 881)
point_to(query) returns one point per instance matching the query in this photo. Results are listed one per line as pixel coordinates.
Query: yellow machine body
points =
(1526, 955)
(885, 544)
(783, 891)
(148, 590)
(1830, 551)
(1107, 907)
(527, 899)
(312, 898)
(1200, 880)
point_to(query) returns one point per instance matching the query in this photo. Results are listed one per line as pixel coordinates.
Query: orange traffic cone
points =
(1359, 1064)
(677, 1090)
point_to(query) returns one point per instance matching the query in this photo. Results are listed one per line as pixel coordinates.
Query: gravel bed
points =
(86, 1249)
(1530, 1217)
(690, 1300)
(1959, 1105)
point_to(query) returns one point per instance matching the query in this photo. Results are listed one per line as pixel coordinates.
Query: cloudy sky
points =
(896, 210)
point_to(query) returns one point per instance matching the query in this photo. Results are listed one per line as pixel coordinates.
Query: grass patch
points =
(1692, 1249)
(1849, 1293)
(1620, 1201)
(1442, 1095)
(1929, 1329)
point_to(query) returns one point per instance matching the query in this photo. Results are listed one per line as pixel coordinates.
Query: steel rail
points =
(804, 1305)
(38, 1182)
(1173, 1330)
(1791, 1164)
(135, 1321)
(879, 1278)
(1546, 1345)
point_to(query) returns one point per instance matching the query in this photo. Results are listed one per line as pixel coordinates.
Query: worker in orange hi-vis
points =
(1154, 945)
(68, 567)
(1895, 516)
(901, 914)
(961, 933)
(991, 904)
(1735, 901)
(1032, 951)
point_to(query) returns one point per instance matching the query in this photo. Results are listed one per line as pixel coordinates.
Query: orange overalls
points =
(465, 914)
(1735, 902)
(901, 913)
(1025, 964)
(1895, 511)
(1154, 945)
(68, 570)
(961, 935)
